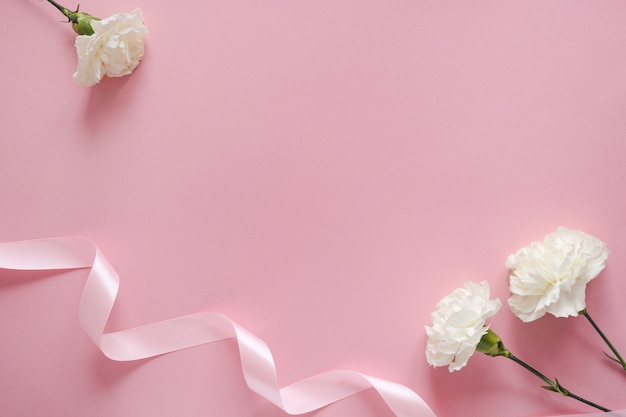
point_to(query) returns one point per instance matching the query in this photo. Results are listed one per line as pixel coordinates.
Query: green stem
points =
(606, 340)
(553, 385)
(66, 12)
(81, 22)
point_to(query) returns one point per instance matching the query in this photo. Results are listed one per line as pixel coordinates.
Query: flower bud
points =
(491, 344)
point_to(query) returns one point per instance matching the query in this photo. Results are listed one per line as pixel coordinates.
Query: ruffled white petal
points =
(552, 276)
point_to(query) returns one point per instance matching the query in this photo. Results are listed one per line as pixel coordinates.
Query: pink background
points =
(322, 172)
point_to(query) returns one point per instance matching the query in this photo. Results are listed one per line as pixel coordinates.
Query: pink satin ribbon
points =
(167, 336)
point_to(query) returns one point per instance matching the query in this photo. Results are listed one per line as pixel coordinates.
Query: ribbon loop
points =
(258, 367)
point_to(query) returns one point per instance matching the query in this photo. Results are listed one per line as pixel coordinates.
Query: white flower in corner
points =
(459, 325)
(114, 49)
(552, 276)
(112, 46)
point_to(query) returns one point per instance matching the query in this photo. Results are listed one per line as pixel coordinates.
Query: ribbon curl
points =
(258, 367)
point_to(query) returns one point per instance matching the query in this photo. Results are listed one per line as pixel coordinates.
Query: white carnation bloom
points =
(114, 50)
(552, 276)
(458, 325)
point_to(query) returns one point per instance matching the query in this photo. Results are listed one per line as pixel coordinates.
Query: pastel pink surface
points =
(322, 173)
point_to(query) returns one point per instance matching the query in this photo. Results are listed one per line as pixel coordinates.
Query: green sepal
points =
(491, 344)
(81, 22)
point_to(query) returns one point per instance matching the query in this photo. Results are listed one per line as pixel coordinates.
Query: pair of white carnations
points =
(546, 277)
(112, 46)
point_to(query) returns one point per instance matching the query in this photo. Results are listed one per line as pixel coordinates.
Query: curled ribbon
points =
(167, 336)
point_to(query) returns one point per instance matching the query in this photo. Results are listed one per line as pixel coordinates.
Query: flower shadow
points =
(113, 102)
(106, 102)
(483, 374)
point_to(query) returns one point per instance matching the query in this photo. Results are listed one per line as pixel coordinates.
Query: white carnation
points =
(459, 324)
(114, 50)
(552, 276)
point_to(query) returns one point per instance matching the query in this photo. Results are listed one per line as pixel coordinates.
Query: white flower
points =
(459, 324)
(551, 276)
(114, 49)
